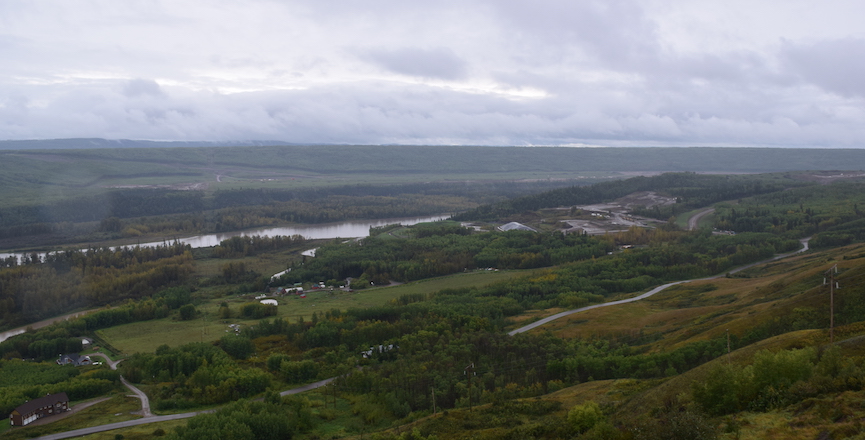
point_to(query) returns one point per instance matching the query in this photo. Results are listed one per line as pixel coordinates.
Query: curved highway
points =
(660, 288)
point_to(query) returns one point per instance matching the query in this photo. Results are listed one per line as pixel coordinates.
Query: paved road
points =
(153, 419)
(111, 363)
(308, 387)
(44, 323)
(695, 219)
(549, 319)
(126, 424)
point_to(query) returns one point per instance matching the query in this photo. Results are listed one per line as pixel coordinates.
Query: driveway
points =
(145, 402)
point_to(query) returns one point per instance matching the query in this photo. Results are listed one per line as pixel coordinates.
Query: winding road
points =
(145, 402)
(660, 288)
(695, 219)
(150, 418)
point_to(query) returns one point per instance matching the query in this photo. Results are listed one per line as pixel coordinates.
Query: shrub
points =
(237, 347)
(584, 417)
(187, 312)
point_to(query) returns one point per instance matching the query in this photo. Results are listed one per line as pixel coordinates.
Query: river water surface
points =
(347, 229)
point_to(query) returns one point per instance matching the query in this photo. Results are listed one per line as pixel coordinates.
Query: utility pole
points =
(470, 371)
(830, 276)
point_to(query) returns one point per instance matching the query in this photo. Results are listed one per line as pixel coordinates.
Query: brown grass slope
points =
(694, 312)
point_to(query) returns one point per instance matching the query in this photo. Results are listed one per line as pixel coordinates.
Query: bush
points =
(187, 312)
(722, 391)
(584, 417)
(676, 425)
(237, 347)
(297, 372)
(274, 361)
(257, 310)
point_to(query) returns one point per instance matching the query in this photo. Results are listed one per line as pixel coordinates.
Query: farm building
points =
(35, 409)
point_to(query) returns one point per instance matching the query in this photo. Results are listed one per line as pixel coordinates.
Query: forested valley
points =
(134, 213)
(439, 363)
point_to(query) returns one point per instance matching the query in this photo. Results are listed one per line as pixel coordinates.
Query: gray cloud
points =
(142, 87)
(837, 66)
(639, 72)
(440, 62)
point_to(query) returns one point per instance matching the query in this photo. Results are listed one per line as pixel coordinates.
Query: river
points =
(347, 229)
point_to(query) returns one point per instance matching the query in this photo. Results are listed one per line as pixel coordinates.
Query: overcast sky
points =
(494, 72)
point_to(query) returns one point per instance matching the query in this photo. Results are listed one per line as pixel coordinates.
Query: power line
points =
(830, 274)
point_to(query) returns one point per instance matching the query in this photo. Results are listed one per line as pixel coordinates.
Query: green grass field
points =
(146, 336)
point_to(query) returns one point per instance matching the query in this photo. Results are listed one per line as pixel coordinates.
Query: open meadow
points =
(146, 336)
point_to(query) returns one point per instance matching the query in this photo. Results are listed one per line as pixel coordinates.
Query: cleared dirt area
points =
(613, 217)
(827, 177)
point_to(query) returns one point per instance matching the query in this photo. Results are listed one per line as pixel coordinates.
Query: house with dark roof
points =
(35, 409)
(74, 359)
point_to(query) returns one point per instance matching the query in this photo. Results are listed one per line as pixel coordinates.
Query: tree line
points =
(74, 279)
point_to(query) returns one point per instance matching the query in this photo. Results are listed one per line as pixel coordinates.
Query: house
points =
(74, 359)
(35, 409)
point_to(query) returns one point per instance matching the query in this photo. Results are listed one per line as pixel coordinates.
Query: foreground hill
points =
(780, 383)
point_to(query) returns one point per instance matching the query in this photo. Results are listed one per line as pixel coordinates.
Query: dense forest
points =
(73, 279)
(130, 213)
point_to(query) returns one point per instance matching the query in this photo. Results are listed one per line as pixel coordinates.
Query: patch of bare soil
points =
(826, 177)
(195, 186)
(645, 199)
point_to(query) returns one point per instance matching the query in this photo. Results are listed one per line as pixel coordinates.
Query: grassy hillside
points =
(650, 408)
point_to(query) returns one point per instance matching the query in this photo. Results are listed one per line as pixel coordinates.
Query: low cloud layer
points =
(608, 72)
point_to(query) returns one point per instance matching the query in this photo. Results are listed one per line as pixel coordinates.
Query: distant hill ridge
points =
(87, 143)
(466, 160)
